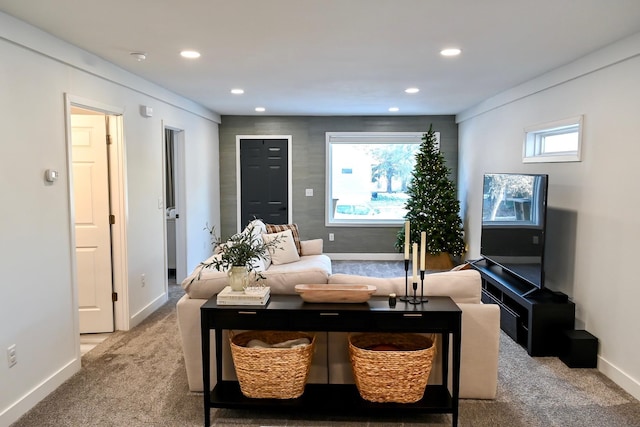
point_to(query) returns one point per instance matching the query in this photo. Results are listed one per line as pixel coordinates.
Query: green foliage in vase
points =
(240, 250)
(433, 206)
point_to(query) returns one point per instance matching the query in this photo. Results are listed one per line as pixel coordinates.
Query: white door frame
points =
(238, 175)
(118, 206)
(181, 205)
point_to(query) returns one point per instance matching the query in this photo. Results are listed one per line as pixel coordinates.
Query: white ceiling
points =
(336, 57)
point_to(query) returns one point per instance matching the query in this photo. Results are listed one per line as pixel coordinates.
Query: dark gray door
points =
(264, 185)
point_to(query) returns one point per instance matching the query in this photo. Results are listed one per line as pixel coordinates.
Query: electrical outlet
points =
(12, 358)
(331, 237)
(143, 280)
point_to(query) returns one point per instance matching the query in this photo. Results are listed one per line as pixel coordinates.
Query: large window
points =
(553, 142)
(367, 176)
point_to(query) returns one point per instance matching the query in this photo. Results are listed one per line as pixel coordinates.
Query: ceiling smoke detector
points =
(139, 56)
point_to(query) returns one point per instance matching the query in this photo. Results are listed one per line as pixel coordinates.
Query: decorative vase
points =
(439, 261)
(238, 278)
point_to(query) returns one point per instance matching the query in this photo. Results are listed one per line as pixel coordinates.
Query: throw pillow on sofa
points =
(277, 228)
(311, 247)
(285, 252)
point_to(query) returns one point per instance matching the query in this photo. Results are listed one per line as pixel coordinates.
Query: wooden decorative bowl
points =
(335, 293)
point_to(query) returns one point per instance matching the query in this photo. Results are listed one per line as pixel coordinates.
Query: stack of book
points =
(257, 296)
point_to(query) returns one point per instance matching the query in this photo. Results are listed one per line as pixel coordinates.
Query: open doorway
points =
(174, 204)
(97, 206)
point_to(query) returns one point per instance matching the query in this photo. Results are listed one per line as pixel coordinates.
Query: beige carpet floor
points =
(138, 379)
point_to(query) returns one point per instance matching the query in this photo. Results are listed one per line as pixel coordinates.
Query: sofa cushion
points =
(205, 282)
(462, 286)
(310, 269)
(384, 285)
(284, 251)
(257, 226)
(277, 228)
(311, 247)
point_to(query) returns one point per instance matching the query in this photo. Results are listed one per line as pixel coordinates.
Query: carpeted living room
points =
(494, 141)
(137, 378)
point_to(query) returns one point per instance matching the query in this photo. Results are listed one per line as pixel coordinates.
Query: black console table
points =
(534, 318)
(288, 312)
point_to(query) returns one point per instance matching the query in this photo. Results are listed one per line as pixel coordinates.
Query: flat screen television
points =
(514, 214)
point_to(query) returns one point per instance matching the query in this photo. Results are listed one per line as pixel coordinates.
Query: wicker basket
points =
(389, 375)
(279, 373)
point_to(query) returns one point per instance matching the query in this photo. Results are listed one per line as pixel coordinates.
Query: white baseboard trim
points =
(146, 311)
(624, 380)
(39, 392)
(366, 257)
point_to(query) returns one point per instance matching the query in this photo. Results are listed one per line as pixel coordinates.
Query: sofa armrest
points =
(480, 350)
(311, 247)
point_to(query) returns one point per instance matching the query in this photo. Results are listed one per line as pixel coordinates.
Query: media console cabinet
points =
(290, 313)
(534, 318)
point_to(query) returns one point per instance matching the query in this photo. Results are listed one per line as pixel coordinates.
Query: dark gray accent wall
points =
(309, 163)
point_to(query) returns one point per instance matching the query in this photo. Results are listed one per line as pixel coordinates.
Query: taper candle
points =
(423, 250)
(415, 263)
(406, 240)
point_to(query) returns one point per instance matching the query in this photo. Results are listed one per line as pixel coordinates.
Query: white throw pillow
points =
(257, 226)
(285, 250)
(311, 247)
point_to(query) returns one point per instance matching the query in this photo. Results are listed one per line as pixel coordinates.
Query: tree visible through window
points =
(367, 176)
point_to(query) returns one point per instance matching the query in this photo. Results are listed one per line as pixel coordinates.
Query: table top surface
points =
(376, 304)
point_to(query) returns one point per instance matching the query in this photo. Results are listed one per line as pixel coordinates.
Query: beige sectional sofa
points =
(480, 324)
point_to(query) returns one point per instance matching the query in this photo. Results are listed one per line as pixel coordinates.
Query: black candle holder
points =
(406, 282)
(422, 297)
(414, 299)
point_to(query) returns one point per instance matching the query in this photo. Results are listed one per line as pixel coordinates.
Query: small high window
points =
(553, 142)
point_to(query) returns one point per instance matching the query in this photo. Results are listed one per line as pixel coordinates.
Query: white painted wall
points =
(37, 312)
(594, 204)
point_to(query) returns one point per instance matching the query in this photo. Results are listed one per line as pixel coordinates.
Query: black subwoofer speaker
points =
(579, 349)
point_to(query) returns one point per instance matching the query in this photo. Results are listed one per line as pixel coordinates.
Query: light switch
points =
(308, 192)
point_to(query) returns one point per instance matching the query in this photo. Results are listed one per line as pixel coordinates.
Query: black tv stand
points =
(535, 318)
(531, 293)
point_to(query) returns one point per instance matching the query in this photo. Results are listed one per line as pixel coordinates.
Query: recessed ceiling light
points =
(412, 90)
(260, 109)
(394, 109)
(191, 54)
(139, 56)
(450, 52)
(237, 91)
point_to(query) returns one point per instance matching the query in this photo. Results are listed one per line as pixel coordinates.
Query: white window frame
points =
(534, 137)
(363, 138)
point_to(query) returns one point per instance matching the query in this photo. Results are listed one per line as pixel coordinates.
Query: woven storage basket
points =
(279, 373)
(388, 375)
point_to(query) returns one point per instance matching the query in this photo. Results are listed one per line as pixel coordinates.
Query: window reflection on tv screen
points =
(513, 224)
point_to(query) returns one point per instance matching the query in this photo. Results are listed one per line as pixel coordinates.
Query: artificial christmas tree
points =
(433, 206)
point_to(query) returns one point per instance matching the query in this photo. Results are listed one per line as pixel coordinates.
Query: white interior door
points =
(92, 227)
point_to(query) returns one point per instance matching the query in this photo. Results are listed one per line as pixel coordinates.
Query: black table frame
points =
(288, 312)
